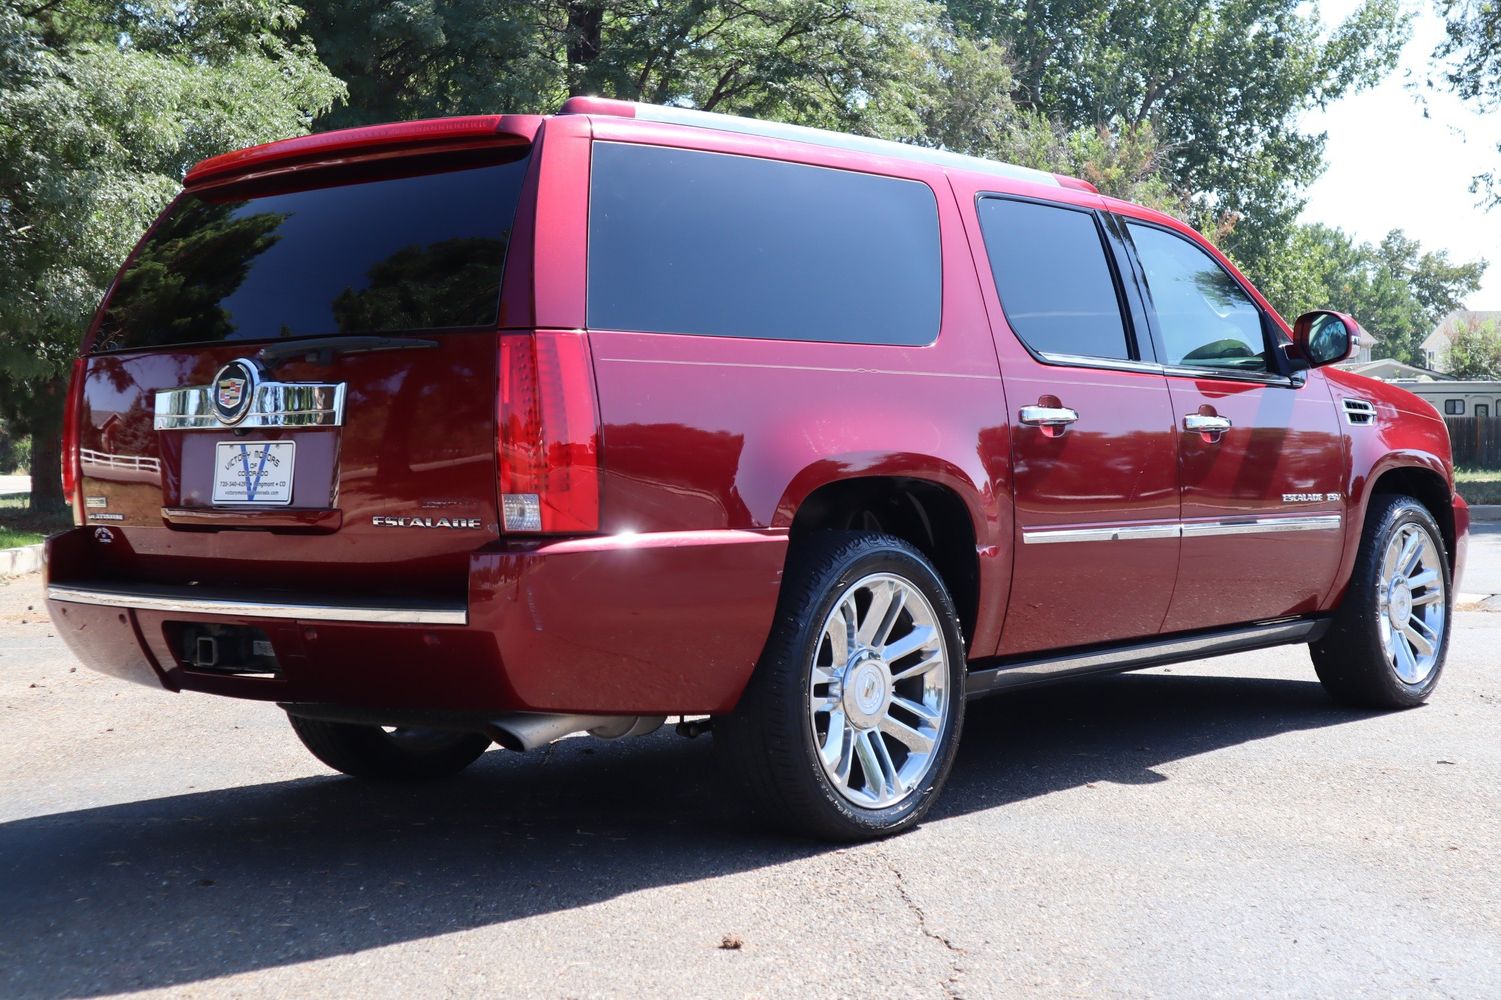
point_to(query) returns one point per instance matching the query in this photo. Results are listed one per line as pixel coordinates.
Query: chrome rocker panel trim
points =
(176, 599)
(992, 676)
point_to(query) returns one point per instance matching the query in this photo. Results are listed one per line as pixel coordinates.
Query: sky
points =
(1391, 168)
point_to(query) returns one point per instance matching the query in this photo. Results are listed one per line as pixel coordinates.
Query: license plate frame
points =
(241, 469)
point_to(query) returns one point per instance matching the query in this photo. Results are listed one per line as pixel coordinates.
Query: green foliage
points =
(1470, 55)
(1223, 83)
(1475, 350)
(103, 104)
(1395, 289)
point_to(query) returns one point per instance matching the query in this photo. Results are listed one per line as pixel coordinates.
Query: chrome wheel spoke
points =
(881, 596)
(904, 734)
(1407, 666)
(1428, 597)
(1407, 557)
(875, 778)
(919, 668)
(1427, 578)
(927, 716)
(919, 637)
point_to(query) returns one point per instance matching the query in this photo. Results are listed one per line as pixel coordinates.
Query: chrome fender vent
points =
(1359, 413)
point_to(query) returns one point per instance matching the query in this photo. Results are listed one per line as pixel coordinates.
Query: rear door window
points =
(419, 246)
(683, 241)
(1053, 278)
(1205, 318)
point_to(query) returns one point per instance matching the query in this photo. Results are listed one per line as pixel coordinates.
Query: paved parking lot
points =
(1216, 827)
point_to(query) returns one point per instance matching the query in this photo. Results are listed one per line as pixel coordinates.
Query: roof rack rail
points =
(613, 108)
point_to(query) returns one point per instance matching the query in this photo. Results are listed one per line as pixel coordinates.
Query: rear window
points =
(734, 246)
(365, 251)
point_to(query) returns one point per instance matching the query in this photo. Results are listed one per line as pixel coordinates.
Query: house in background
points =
(1450, 397)
(1436, 346)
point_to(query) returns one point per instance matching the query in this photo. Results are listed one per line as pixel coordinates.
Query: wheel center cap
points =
(867, 692)
(1399, 605)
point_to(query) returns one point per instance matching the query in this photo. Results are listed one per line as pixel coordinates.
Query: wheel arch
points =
(936, 513)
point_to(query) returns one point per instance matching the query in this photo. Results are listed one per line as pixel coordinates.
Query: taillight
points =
(548, 434)
(72, 469)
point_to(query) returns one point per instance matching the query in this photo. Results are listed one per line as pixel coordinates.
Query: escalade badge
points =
(386, 521)
(234, 390)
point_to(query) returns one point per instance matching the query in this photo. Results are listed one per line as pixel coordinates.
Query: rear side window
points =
(363, 251)
(734, 246)
(1053, 279)
(1206, 319)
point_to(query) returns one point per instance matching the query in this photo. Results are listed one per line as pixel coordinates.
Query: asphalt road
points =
(1215, 828)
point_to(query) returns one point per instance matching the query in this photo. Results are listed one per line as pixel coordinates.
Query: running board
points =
(1019, 672)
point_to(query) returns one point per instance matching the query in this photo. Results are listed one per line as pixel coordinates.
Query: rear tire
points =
(1386, 646)
(850, 722)
(402, 755)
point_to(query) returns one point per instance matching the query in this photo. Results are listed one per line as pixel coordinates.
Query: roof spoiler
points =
(432, 133)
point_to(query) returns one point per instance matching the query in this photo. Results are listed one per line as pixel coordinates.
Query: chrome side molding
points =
(272, 404)
(179, 600)
(1184, 529)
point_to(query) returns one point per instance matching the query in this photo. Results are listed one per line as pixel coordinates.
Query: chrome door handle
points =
(1048, 416)
(1205, 424)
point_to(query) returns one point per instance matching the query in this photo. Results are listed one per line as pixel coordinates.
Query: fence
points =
(1477, 441)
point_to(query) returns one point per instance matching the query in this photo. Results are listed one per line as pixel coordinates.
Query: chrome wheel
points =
(1411, 604)
(878, 693)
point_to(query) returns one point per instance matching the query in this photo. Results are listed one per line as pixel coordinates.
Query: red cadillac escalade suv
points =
(503, 428)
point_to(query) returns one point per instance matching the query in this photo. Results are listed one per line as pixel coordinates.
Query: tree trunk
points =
(46, 426)
(585, 24)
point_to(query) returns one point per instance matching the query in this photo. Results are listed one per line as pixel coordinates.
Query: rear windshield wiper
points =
(321, 350)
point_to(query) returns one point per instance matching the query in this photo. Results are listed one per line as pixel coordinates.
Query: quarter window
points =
(1053, 279)
(682, 241)
(1206, 319)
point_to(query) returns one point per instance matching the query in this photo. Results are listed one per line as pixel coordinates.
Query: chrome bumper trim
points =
(149, 599)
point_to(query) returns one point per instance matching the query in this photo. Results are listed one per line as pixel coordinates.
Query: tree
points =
(1223, 84)
(899, 69)
(103, 106)
(1475, 350)
(1394, 288)
(1471, 58)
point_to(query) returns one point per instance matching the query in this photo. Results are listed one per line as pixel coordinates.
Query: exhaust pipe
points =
(529, 730)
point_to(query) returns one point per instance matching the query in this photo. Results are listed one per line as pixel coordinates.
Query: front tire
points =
(401, 754)
(850, 722)
(1386, 646)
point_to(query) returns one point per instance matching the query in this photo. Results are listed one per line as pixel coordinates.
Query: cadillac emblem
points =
(233, 391)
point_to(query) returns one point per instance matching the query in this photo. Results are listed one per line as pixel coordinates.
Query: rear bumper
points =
(663, 623)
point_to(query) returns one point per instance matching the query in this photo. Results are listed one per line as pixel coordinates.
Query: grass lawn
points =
(1478, 485)
(19, 526)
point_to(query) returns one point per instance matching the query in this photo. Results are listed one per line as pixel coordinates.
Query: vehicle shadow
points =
(191, 887)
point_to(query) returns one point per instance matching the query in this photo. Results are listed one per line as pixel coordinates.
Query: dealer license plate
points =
(254, 472)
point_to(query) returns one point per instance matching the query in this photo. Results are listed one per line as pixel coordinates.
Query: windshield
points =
(365, 251)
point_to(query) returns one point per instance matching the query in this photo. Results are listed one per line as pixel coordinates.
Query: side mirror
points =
(1322, 337)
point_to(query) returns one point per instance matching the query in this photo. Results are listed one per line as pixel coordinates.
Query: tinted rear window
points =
(1053, 280)
(734, 246)
(362, 252)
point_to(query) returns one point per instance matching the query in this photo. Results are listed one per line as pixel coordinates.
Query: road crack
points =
(950, 986)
